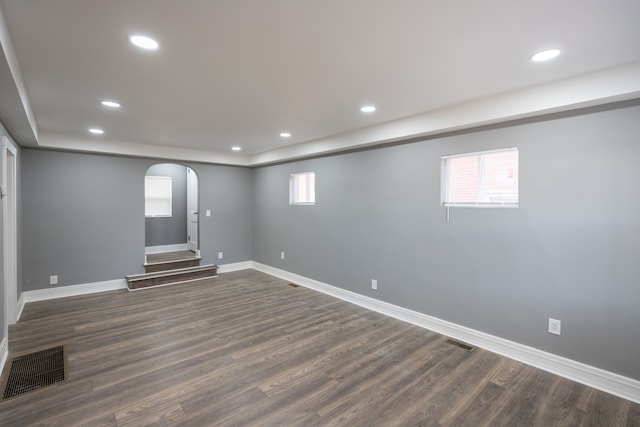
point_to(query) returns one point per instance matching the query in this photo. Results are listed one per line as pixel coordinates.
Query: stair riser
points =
(172, 265)
(172, 279)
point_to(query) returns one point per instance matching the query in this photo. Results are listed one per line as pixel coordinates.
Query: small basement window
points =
(302, 188)
(157, 196)
(483, 179)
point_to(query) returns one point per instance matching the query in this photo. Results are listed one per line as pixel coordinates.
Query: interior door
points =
(192, 210)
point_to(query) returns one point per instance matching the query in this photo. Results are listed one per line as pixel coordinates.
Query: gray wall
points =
(228, 192)
(172, 230)
(83, 216)
(570, 251)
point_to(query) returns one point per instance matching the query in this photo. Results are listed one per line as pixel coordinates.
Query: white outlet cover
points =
(220, 255)
(281, 255)
(555, 326)
(207, 212)
(53, 280)
(374, 284)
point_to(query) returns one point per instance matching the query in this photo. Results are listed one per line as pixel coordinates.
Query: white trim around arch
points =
(8, 193)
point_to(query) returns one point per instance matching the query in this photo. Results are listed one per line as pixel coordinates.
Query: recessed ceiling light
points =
(96, 131)
(110, 104)
(144, 42)
(236, 148)
(368, 109)
(285, 134)
(545, 55)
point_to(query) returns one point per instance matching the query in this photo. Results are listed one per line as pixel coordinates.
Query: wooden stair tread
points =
(172, 255)
(174, 272)
(136, 286)
(171, 261)
(171, 277)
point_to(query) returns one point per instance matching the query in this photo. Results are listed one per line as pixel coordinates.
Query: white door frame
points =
(8, 192)
(193, 215)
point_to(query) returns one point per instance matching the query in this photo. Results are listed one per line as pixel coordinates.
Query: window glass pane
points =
(302, 189)
(480, 179)
(157, 196)
(501, 177)
(463, 180)
(311, 179)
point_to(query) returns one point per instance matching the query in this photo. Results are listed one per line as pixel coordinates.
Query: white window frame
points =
(296, 196)
(162, 207)
(446, 184)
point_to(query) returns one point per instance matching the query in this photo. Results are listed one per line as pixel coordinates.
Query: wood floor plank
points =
(480, 409)
(152, 415)
(633, 417)
(525, 400)
(247, 349)
(215, 408)
(606, 410)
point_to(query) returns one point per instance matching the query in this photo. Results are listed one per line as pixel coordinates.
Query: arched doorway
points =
(171, 209)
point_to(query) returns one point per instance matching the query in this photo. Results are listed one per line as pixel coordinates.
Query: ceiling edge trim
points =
(22, 122)
(598, 88)
(122, 148)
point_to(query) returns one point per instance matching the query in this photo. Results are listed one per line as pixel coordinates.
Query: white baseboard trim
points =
(73, 290)
(4, 352)
(165, 248)
(228, 268)
(609, 382)
(20, 306)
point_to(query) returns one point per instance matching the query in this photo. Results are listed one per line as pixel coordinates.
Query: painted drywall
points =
(170, 230)
(227, 192)
(83, 216)
(570, 251)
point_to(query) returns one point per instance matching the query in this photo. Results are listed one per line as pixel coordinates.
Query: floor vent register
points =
(33, 371)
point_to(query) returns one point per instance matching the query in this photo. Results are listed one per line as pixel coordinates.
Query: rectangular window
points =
(302, 188)
(157, 196)
(483, 179)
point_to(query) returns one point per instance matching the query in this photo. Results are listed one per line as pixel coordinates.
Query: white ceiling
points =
(239, 72)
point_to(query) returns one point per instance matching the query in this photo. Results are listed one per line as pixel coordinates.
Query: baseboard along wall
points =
(600, 379)
(4, 352)
(609, 382)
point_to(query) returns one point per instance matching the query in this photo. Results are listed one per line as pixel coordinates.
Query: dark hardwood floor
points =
(247, 349)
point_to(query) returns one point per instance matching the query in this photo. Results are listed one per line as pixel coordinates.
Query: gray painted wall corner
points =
(83, 216)
(568, 252)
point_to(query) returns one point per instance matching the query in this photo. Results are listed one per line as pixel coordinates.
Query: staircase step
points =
(170, 277)
(174, 264)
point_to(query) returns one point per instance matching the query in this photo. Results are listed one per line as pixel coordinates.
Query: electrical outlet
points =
(207, 212)
(53, 280)
(374, 284)
(554, 326)
(281, 255)
(220, 255)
